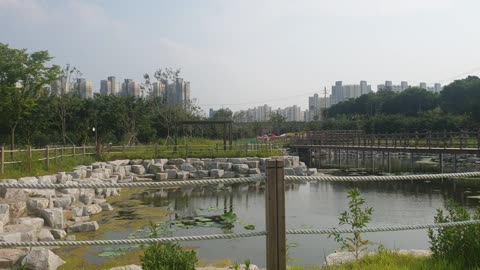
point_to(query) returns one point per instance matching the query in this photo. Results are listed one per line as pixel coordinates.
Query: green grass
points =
(389, 260)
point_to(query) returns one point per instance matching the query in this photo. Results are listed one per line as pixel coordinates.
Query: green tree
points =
(278, 121)
(33, 74)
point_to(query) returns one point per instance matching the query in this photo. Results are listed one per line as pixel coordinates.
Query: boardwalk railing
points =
(51, 154)
(274, 210)
(457, 140)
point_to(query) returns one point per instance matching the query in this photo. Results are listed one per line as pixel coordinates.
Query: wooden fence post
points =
(29, 158)
(61, 152)
(55, 153)
(2, 160)
(47, 157)
(73, 150)
(275, 215)
(83, 150)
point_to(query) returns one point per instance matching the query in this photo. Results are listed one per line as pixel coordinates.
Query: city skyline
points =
(296, 52)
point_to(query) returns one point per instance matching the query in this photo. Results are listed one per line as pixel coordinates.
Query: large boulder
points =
(171, 173)
(198, 164)
(9, 257)
(176, 161)
(229, 174)
(53, 217)
(17, 209)
(87, 195)
(47, 179)
(155, 168)
(237, 160)
(28, 180)
(254, 171)
(240, 168)
(62, 202)
(217, 173)
(312, 171)
(138, 169)
(84, 227)
(289, 171)
(181, 175)
(127, 267)
(28, 233)
(253, 164)
(45, 236)
(34, 205)
(211, 165)
(58, 234)
(35, 222)
(4, 213)
(91, 209)
(226, 166)
(13, 194)
(299, 171)
(41, 259)
(187, 167)
(10, 237)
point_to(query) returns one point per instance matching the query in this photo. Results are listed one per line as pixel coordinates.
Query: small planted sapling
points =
(356, 217)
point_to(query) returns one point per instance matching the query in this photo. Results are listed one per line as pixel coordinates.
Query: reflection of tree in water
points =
(184, 201)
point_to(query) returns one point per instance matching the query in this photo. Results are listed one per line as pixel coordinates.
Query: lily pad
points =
(250, 227)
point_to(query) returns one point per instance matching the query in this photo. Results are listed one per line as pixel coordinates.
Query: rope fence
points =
(275, 230)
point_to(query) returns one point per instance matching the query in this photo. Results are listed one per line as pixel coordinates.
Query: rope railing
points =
(234, 236)
(421, 177)
(183, 183)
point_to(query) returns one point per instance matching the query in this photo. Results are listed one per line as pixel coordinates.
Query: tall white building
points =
(84, 88)
(60, 86)
(342, 92)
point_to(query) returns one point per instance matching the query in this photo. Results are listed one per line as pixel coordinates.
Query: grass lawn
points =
(388, 260)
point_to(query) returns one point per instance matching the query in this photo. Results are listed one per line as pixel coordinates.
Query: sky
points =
(241, 54)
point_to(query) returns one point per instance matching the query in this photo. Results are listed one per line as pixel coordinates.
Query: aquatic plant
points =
(250, 227)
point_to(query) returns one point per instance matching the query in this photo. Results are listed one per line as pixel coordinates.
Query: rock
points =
(81, 219)
(217, 173)
(240, 168)
(237, 160)
(299, 171)
(84, 227)
(340, 258)
(35, 222)
(254, 171)
(176, 161)
(210, 165)
(202, 173)
(161, 176)
(229, 174)
(106, 207)
(9, 257)
(171, 174)
(91, 209)
(181, 175)
(226, 166)
(253, 164)
(58, 234)
(27, 233)
(10, 237)
(221, 159)
(28, 180)
(289, 171)
(146, 163)
(77, 211)
(71, 238)
(155, 168)
(47, 179)
(187, 167)
(119, 162)
(62, 202)
(53, 217)
(136, 162)
(61, 177)
(311, 171)
(128, 267)
(198, 164)
(14, 194)
(170, 167)
(34, 205)
(4, 213)
(45, 236)
(41, 259)
(87, 195)
(18, 209)
(138, 169)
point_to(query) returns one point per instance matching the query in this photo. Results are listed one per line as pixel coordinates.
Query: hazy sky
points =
(251, 51)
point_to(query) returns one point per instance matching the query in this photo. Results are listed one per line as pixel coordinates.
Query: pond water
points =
(308, 205)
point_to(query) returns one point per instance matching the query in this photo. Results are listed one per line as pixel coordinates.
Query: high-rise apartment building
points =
(105, 87)
(84, 88)
(423, 85)
(60, 86)
(403, 85)
(437, 88)
(158, 89)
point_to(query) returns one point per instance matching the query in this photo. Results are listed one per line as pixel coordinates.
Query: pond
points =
(308, 205)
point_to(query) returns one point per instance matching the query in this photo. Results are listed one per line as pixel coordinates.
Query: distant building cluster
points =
(176, 93)
(317, 104)
(436, 88)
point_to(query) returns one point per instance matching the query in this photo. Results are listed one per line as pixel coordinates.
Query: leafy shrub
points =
(460, 243)
(357, 218)
(169, 256)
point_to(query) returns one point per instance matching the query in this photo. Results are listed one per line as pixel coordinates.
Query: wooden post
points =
(29, 158)
(389, 165)
(224, 137)
(47, 157)
(411, 163)
(372, 158)
(2, 160)
(455, 162)
(186, 151)
(246, 149)
(74, 150)
(440, 160)
(275, 215)
(55, 160)
(230, 135)
(61, 153)
(83, 152)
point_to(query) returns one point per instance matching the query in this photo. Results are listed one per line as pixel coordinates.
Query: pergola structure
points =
(225, 123)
